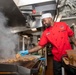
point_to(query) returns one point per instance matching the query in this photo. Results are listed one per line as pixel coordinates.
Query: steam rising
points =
(8, 40)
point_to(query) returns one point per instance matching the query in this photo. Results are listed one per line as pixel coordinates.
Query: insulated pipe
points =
(59, 18)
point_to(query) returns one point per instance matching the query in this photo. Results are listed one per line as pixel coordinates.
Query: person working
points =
(58, 34)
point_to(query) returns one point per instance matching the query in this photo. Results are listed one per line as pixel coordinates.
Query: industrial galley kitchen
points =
(37, 37)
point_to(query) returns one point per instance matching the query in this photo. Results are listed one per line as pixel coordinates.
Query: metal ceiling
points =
(67, 8)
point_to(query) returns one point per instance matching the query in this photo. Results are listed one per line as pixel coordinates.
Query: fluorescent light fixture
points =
(14, 31)
(25, 36)
(34, 29)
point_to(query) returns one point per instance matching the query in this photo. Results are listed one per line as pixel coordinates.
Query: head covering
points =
(46, 15)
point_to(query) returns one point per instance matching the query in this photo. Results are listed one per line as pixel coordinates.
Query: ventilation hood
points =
(12, 12)
(20, 14)
(28, 2)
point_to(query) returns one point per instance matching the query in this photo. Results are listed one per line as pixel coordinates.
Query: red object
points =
(58, 37)
(34, 11)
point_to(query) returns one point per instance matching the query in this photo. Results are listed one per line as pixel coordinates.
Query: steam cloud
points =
(8, 40)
